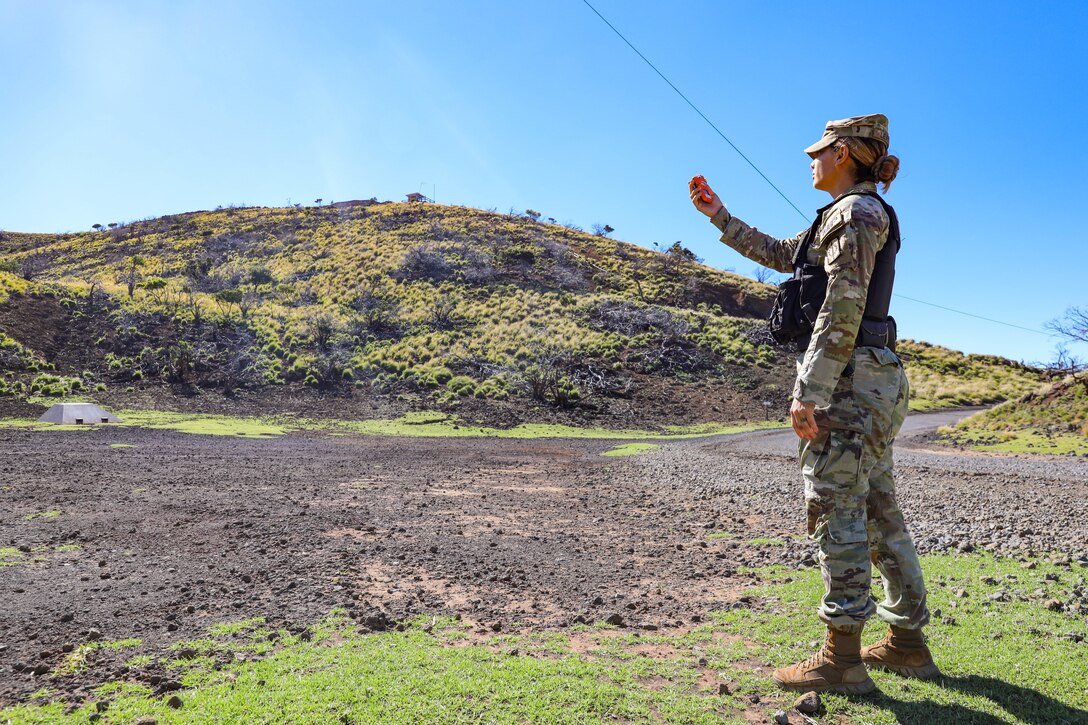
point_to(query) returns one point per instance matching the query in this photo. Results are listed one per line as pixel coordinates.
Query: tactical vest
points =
(800, 298)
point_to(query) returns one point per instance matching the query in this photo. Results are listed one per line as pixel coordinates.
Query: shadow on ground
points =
(1024, 704)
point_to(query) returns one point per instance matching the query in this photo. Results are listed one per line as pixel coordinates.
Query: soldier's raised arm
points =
(749, 241)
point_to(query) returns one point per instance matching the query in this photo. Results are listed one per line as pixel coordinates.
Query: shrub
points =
(425, 262)
(461, 385)
(55, 386)
(495, 388)
(441, 376)
(630, 319)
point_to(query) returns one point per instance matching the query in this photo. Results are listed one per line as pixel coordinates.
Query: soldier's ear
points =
(842, 153)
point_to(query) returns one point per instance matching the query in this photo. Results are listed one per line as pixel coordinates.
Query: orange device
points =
(699, 182)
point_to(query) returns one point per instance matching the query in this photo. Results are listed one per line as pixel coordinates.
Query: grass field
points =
(416, 424)
(1007, 655)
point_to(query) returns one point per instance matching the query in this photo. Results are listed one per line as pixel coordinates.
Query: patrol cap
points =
(874, 126)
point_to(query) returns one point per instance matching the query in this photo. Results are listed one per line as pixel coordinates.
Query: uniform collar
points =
(864, 187)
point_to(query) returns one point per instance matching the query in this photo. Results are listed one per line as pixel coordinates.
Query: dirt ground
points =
(183, 531)
(177, 532)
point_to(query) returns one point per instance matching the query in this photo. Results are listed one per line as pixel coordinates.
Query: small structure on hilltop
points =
(355, 202)
(77, 414)
(417, 197)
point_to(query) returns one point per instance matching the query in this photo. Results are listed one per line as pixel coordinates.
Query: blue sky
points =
(116, 111)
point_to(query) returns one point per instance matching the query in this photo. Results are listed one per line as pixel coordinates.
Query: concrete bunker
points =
(78, 414)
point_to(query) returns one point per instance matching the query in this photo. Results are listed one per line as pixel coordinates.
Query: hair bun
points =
(885, 169)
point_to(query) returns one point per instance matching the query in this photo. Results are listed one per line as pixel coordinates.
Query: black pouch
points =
(786, 322)
(877, 333)
(797, 305)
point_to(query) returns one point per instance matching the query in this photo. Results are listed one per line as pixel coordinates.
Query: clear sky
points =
(115, 111)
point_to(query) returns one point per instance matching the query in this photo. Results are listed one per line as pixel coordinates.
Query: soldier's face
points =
(828, 168)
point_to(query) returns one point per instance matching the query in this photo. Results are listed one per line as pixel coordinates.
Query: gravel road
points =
(952, 499)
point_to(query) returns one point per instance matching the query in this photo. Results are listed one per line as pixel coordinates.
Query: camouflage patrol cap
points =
(874, 126)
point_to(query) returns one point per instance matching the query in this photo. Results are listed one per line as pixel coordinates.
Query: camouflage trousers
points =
(850, 497)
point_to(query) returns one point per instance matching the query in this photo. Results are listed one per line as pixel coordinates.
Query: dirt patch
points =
(184, 531)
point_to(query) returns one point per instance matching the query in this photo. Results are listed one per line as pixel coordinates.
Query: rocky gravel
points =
(952, 499)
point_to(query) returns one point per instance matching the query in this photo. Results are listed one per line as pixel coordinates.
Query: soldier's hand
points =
(710, 208)
(803, 416)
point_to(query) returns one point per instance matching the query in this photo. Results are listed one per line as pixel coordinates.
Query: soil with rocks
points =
(160, 540)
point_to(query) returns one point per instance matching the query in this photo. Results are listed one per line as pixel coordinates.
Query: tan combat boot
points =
(904, 652)
(835, 668)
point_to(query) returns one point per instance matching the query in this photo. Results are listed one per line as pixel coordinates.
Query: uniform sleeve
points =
(754, 244)
(850, 256)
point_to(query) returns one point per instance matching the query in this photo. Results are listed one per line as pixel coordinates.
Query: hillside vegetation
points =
(1053, 419)
(427, 305)
(943, 378)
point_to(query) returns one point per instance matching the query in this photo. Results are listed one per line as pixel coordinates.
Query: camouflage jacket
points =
(853, 230)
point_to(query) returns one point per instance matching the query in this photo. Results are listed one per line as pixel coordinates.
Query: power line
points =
(969, 314)
(764, 176)
(695, 108)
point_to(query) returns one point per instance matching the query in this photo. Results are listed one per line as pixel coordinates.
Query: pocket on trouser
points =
(834, 494)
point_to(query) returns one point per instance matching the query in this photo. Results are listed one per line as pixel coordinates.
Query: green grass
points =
(415, 676)
(1012, 661)
(77, 659)
(943, 378)
(41, 515)
(122, 445)
(203, 424)
(1025, 440)
(416, 424)
(10, 556)
(1001, 661)
(631, 449)
(763, 541)
(439, 425)
(1051, 420)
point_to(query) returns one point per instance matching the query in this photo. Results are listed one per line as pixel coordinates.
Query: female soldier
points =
(849, 402)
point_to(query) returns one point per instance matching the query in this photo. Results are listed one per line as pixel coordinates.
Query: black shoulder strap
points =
(801, 253)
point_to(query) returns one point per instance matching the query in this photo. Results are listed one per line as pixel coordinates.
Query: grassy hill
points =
(424, 305)
(943, 378)
(1051, 419)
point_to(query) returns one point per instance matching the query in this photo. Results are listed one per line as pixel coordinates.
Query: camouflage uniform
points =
(860, 395)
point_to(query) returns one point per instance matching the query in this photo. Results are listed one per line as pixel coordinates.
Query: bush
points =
(425, 262)
(441, 376)
(55, 386)
(495, 388)
(462, 385)
(630, 319)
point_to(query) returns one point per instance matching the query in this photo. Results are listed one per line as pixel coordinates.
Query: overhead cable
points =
(764, 176)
